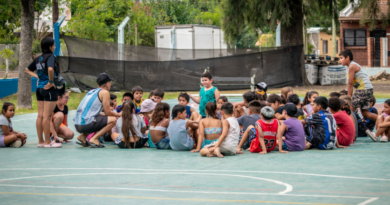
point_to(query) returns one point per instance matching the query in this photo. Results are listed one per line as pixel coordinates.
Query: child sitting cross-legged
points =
(210, 128)
(158, 126)
(264, 137)
(345, 129)
(180, 139)
(292, 129)
(320, 127)
(130, 127)
(8, 136)
(138, 100)
(227, 143)
(382, 124)
(192, 115)
(248, 122)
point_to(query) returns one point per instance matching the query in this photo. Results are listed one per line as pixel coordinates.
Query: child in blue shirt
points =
(207, 94)
(126, 96)
(192, 115)
(320, 128)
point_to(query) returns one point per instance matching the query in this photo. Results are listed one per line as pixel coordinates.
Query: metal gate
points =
(377, 34)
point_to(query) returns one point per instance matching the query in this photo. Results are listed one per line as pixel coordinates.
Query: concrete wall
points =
(12, 86)
(326, 37)
(360, 54)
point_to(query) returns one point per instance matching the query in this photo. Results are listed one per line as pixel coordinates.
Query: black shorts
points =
(99, 123)
(47, 95)
(139, 144)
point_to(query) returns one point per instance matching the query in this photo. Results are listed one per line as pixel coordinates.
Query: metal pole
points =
(57, 50)
(136, 35)
(334, 30)
(121, 42)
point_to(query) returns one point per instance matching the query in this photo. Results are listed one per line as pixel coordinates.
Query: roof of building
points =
(348, 14)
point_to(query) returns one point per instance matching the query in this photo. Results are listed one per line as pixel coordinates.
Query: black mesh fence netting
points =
(177, 69)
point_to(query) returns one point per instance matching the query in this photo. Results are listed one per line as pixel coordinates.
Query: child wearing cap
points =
(266, 129)
(146, 110)
(137, 94)
(228, 141)
(294, 135)
(320, 127)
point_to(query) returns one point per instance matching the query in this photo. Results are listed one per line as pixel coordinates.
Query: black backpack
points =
(58, 79)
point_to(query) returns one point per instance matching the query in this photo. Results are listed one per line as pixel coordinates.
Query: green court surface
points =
(76, 175)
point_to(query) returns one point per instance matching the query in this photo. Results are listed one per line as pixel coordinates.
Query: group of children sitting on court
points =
(260, 123)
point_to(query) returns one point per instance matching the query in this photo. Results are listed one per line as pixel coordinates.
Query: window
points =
(324, 46)
(337, 46)
(355, 37)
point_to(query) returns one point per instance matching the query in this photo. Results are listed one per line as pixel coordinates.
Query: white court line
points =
(289, 188)
(180, 191)
(194, 170)
(368, 201)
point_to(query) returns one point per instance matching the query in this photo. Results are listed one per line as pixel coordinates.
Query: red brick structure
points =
(364, 44)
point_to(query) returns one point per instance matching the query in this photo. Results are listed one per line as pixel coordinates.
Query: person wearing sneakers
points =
(358, 79)
(8, 136)
(87, 119)
(382, 125)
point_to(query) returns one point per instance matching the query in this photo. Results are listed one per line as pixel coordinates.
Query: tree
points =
(26, 39)
(9, 19)
(6, 54)
(371, 14)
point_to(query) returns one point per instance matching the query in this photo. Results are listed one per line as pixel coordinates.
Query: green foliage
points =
(36, 47)
(6, 53)
(10, 11)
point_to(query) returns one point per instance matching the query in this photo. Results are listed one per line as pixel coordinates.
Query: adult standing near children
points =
(87, 119)
(46, 92)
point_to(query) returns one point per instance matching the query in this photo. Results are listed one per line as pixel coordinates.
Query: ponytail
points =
(345, 106)
(307, 96)
(284, 100)
(127, 122)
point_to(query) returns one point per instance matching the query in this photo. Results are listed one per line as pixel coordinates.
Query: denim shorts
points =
(163, 143)
(285, 147)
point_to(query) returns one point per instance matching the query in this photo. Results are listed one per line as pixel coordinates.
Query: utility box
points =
(189, 37)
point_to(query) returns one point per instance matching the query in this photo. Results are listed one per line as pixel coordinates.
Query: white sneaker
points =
(53, 144)
(371, 135)
(384, 138)
(16, 144)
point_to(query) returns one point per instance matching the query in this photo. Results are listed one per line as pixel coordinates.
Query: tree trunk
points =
(26, 39)
(293, 34)
(55, 11)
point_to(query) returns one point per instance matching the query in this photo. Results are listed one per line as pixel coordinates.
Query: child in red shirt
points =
(345, 129)
(267, 128)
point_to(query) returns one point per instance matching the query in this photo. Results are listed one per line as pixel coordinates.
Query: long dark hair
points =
(46, 43)
(127, 122)
(159, 112)
(307, 96)
(211, 109)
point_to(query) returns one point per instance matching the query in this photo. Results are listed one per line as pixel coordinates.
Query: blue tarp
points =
(10, 86)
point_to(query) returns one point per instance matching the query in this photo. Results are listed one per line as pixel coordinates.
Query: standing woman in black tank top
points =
(46, 91)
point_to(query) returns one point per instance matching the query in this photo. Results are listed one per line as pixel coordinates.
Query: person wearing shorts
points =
(359, 80)
(59, 123)
(88, 119)
(46, 92)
